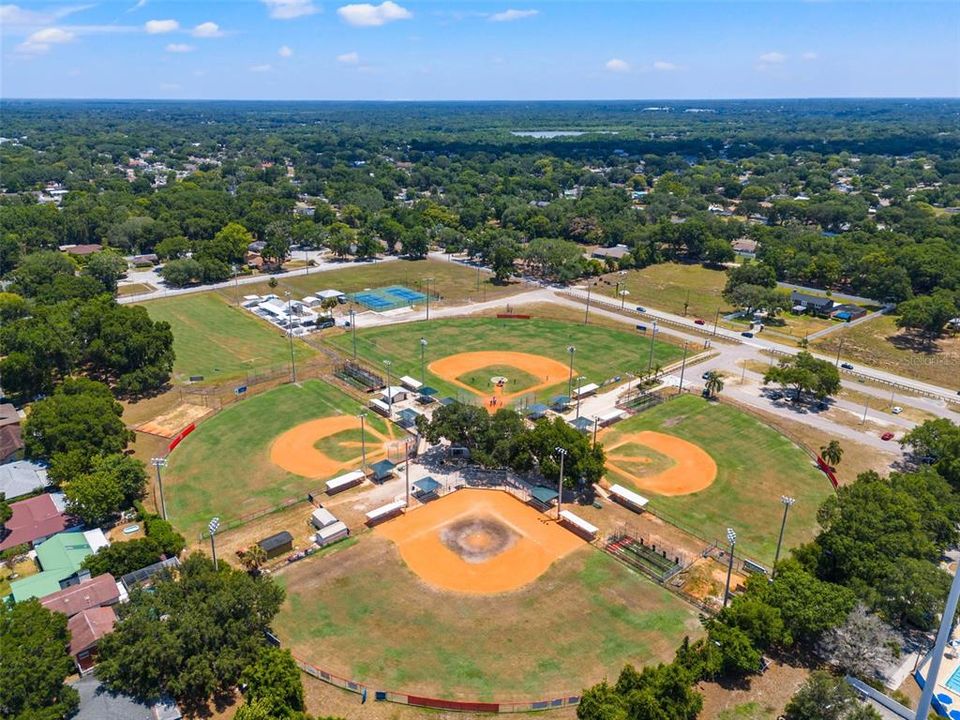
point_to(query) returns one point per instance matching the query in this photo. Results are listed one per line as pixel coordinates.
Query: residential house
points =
(34, 520)
(101, 591)
(22, 477)
(817, 304)
(11, 442)
(80, 250)
(99, 703)
(59, 558)
(848, 312)
(86, 629)
(617, 252)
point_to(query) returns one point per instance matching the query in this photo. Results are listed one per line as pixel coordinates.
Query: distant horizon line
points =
(486, 100)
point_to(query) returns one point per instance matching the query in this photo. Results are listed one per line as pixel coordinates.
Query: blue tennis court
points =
(953, 682)
(388, 298)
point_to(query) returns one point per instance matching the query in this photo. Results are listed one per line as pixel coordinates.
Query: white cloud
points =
(368, 15)
(510, 15)
(285, 51)
(350, 58)
(809, 56)
(664, 66)
(158, 27)
(261, 68)
(773, 58)
(140, 4)
(40, 41)
(16, 16)
(290, 9)
(207, 30)
(617, 65)
(179, 48)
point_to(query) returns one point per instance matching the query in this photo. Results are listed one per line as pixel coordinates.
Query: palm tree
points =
(832, 453)
(253, 557)
(714, 383)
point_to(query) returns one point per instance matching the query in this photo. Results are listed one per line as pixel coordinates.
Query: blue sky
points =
(451, 50)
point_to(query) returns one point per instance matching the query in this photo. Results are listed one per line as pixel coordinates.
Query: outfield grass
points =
(360, 613)
(879, 343)
(224, 467)
(755, 466)
(220, 342)
(453, 282)
(602, 353)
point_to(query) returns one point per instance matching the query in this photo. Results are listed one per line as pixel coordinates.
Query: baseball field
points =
(707, 466)
(265, 449)
(462, 356)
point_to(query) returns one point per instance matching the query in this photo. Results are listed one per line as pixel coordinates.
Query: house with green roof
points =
(59, 558)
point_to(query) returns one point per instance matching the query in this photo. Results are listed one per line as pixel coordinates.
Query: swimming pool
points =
(953, 682)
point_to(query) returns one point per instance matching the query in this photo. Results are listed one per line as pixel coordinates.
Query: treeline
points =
(874, 564)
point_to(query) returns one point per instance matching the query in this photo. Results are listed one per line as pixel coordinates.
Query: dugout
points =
(425, 489)
(542, 498)
(382, 471)
(277, 544)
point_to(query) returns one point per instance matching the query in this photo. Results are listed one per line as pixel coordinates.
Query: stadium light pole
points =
(716, 321)
(787, 502)
(213, 527)
(363, 440)
(596, 422)
(586, 314)
(623, 297)
(562, 452)
(293, 362)
(732, 539)
(160, 462)
(236, 284)
(406, 465)
(653, 341)
(428, 281)
(580, 379)
(936, 657)
(570, 350)
(683, 367)
(388, 363)
(353, 329)
(423, 348)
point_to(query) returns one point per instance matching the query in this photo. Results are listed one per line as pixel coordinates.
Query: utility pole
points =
(716, 321)
(866, 406)
(293, 362)
(406, 465)
(423, 347)
(732, 539)
(363, 441)
(353, 329)
(389, 388)
(562, 452)
(586, 314)
(839, 349)
(160, 462)
(683, 367)
(653, 341)
(623, 297)
(213, 527)
(478, 279)
(596, 421)
(787, 502)
(428, 281)
(570, 350)
(579, 385)
(236, 284)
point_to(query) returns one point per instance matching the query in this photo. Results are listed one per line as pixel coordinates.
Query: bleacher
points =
(644, 558)
(359, 377)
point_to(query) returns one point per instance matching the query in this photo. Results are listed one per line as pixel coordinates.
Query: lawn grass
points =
(219, 342)
(517, 380)
(453, 282)
(755, 466)
(668, 286)
(362, 614)
(224, 467)
(342, 446)
(601, 353)
(880, 344)
(134, 289)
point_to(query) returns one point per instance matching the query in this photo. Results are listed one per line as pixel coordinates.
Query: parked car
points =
(641, 308)
(776, 395)
(887, 436)
(747, 334)
(699, 321)
(705, 376)
(846, 366)
(325, 323)
(896, 410)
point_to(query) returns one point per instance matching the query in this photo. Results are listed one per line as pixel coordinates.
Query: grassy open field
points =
(361, 613)
(669, 285)
(601, 353)
(880, 344)
(220, 342)
(453, 282)
(224, 467)
(755, 466)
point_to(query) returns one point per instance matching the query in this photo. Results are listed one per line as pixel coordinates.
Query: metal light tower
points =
(596, 422)
(570, 350)
(623, 297)
(936, 657)
(213, 527)
(653, 341)
(160, 462)
(388, 363)
(353, 329)
(732, 539)
(787, 503)
(586, 314)
(683, 367)
(293, 362)
(562, 452)
(236, 284)
(423, 348)
(363, 440)
(428, 281)
(580, 379)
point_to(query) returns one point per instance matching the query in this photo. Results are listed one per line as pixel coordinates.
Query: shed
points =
(380, 407)
(609, 418)
(410, 383)
(345, 481)
(312, 301)
(331, 533)
(385, 512)
(396, 393)
(383, 470)
(321, 517)
(277, 544)
(628, 498)
(578, 525)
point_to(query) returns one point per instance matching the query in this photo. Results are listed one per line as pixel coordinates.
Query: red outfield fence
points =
(473, 706)
(513, 316)
(180, 436)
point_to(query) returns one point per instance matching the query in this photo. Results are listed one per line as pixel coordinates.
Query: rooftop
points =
(34, 519)
(101, 590)
(98, 703)
(59, 557)
(88, 626)
(22, 478)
